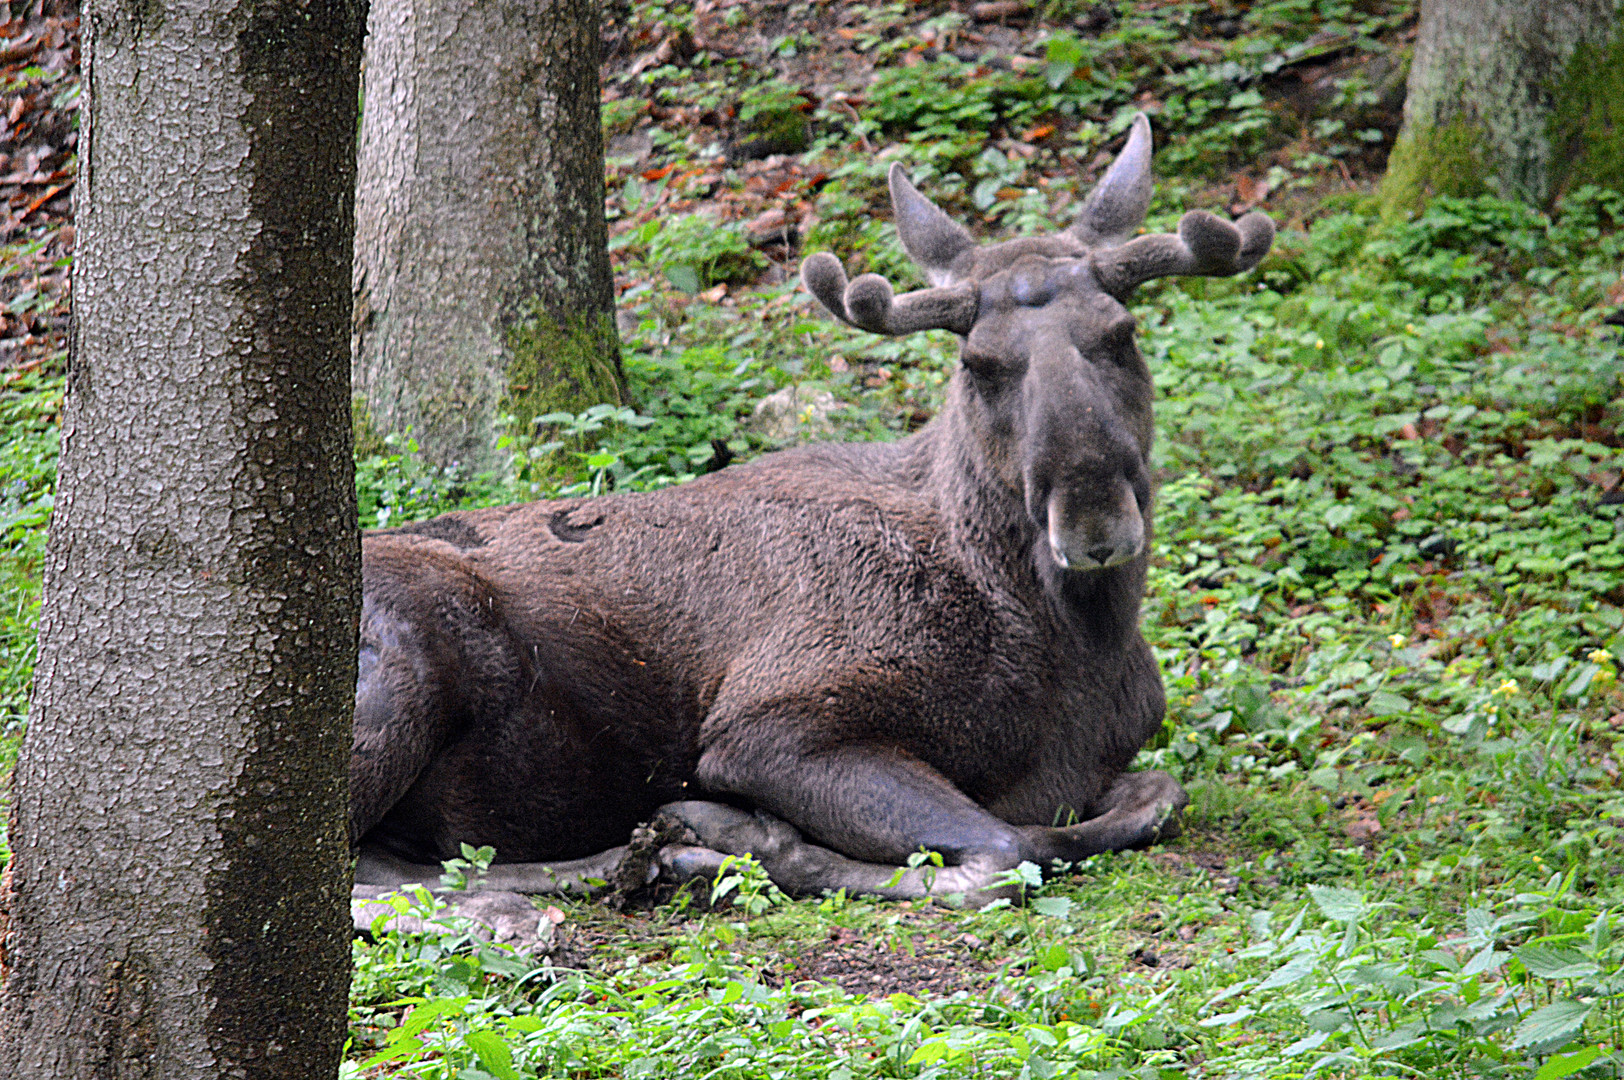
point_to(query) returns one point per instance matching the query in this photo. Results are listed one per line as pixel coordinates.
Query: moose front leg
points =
(1140, 809)
(867, 808)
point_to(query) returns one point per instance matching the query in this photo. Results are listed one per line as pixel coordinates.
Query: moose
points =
(831, 657)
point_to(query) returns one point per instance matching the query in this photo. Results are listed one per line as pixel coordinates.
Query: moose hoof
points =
(732, 831)
(511, 919)
(1154, 802)
(502, 917)
(682, 863)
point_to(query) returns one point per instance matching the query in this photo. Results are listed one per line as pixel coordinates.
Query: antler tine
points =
(1206, 245)
(870, 304)
(825, 279)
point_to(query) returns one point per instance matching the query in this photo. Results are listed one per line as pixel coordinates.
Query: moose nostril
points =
(1102, 554)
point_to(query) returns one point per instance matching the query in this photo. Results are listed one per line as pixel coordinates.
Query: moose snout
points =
(1088, 532)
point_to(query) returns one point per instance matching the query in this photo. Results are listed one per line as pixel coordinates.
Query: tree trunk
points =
(1523, 100)
(180, 867)
(482, 280)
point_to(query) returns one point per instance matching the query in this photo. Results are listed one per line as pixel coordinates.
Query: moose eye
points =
(987, 365)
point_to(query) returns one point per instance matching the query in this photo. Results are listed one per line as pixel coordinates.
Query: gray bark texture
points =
(482, 279)
(1509, 97)
(178, 891)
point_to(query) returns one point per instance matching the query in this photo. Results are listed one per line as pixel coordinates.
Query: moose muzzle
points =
(1088, 532)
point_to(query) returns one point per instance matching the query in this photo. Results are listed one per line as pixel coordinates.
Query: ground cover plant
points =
(1387, 592)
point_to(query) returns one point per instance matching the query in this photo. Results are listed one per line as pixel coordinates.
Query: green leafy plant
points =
(745, 880)
(469, 870)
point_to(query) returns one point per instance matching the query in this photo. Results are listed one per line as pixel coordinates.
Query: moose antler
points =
(1206, 245)
(869, 303)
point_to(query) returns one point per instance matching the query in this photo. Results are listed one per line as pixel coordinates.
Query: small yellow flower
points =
(1599, 656)
(1396, 640)
(1508, 687)
(1491, 710)
(1409, 328)
(1319, 343)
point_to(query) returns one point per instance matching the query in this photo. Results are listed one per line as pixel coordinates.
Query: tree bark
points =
(1523, 100)
(482, 279)
(180, 866)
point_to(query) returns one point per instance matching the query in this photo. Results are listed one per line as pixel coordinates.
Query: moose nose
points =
(1093, 534)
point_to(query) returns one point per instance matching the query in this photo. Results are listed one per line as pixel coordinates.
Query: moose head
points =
(1051, 387)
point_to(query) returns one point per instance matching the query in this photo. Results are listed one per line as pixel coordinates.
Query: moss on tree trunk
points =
(1509, 98)
(482, 279)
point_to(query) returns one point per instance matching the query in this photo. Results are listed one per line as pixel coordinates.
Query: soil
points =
(920, 965)
(922, 956)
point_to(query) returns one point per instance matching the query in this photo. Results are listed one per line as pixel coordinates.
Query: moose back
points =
(833, 656)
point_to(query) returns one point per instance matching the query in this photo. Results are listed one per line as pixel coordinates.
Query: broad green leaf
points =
(932, 1050)
(493, 1053)
(1053, 957)
(1385, 703)
(684, 277)
(1305, 1044)
(1338, 905)
(1054, 906)
(1552, 1023)
(1227, 1018)
(1028, 873)
(1295, 970)
(986, 192)
(1551, 962)
(1561, 1065)
(425, 1014)
(1487, 959)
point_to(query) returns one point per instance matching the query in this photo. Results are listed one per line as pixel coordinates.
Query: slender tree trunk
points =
(180, 867)
(1516, 98)
(482, 280)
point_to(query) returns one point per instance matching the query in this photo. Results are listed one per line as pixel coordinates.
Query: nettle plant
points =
(1378, 992)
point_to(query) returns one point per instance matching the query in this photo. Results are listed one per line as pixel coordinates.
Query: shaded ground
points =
(39, 101)
(675, 122)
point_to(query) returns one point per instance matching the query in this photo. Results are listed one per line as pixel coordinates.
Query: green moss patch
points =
(1428, 161)
(1587, 126)
(560, 366)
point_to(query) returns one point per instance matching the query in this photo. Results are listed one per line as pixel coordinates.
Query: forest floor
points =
(1386, 594)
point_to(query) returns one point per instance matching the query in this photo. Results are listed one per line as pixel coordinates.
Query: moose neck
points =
(968, 470)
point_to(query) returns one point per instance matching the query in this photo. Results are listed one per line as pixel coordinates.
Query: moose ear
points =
(1116, 207)
(933, 240)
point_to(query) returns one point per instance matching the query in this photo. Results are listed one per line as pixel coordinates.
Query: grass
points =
(1387, 593)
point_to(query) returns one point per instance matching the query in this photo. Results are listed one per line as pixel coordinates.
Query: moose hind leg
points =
(594, 874)
(436, 660)
(497, 898)
(400, 720)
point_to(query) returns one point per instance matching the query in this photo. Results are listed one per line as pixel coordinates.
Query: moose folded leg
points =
(1140, 809)
(493, 897)
(571, 877)
(871, 804)
(800, 868)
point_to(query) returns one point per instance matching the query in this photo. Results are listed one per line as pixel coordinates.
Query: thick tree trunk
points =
(1519, 99)
(180, 865)
(482, 280)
